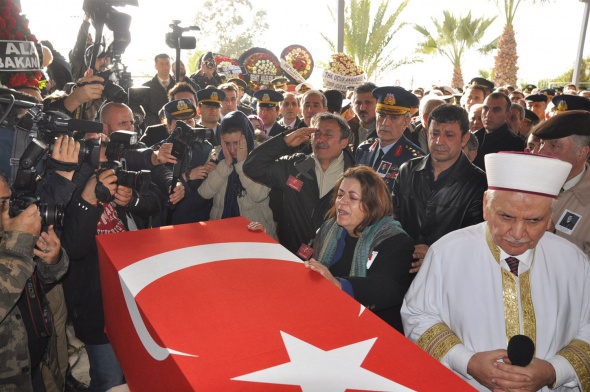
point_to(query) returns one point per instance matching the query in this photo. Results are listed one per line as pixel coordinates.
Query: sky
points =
(547, 35)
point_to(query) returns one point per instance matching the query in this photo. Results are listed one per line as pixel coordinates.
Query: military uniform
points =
(388, 166)
(17, 265)
(386, 160)
(270, 99)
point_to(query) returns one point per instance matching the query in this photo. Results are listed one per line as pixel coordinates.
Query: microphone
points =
(521, 350)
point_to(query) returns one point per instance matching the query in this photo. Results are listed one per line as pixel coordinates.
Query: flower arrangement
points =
(15, 27)
(224, 61)
(342, 64)
(262, 64)
(300, 59)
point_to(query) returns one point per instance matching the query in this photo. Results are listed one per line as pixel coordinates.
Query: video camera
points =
(121, 141)
(117, 80)
(176, 40)
(49, 125)
(190, 136)
(26, 183)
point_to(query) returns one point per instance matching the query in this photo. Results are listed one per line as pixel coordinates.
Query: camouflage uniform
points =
(16, 266)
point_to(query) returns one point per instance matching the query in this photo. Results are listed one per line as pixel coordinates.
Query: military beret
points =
(566, 102)
(558, 90)
(482, 82)
(394, 100)
(536, 98)
(210, 96)
(238, 82)
(572, 122)
(279, 82)
(268, 98)
(550, 93)
(530, 116)
(528, 88)
(181, 109)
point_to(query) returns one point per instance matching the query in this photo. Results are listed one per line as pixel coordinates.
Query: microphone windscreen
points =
(521, 350)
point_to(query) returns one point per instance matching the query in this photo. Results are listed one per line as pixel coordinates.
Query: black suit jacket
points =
(158, 98)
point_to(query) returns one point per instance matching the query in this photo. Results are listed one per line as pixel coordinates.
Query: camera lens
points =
(52, 214)
(90, 152)
(114, 93)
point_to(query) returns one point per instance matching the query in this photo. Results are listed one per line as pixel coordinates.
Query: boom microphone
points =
(521, 350)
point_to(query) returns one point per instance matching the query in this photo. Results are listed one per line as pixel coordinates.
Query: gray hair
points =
(520, 110)
(342, 123)
(473, 143)
(491, 195)
(314, 92)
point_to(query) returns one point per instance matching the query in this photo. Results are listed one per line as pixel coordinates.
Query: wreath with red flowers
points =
(299, 58)
(15, 27)
(262, 65)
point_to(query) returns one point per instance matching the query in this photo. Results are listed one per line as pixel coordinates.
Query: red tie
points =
(513, 264)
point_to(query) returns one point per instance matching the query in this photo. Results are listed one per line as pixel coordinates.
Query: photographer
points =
(193, 153)
(100, 207)
(26, 325)
(207, 75)
(119, 117)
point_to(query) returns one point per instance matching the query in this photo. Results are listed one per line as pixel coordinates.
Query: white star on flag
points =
(314, 369)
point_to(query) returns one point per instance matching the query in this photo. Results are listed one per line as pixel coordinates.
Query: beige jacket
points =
(253, 205)
(577, 201)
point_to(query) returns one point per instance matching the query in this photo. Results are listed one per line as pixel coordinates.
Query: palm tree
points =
(454, 36)
(505, 62)
(367, 43)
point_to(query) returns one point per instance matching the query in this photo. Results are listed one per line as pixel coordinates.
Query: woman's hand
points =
(229, 160)
(242, 149)
(321, 269)
(49, 247)
(256, 226)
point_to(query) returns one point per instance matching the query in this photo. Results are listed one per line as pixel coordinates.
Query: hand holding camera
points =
(108, 180)
(66, 150)
(49, 246)
(87, 89)
(29, 221)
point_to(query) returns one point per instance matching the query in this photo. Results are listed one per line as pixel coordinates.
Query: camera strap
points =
(53, 163)
(37, 307)
(101, 191)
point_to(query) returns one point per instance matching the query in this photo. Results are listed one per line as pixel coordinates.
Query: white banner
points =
(339, 82)
(229, 70)
(288, 68)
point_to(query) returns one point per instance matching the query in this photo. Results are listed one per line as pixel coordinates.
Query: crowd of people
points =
(461, 218)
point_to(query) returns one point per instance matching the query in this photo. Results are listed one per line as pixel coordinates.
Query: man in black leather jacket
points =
(442, 191)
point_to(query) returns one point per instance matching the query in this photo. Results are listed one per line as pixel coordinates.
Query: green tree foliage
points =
(452, 38)
(229, 27)
(369, 43)
(568, 76)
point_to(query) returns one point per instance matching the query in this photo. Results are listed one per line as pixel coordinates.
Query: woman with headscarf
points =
(233, 193)
(361, 249)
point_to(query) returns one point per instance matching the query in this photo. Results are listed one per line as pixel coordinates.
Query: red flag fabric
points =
(214, 306)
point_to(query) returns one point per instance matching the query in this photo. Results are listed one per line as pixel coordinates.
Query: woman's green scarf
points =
(330, 233)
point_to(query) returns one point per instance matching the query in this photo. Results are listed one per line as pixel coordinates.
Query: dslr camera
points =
(119, 142)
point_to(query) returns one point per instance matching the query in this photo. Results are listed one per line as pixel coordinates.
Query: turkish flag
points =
(214, 306)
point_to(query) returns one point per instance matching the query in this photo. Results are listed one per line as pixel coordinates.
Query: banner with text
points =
(340, 82)
(18, 56)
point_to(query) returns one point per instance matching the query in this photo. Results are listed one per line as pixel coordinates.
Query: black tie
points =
(513, 264)
(378, 160)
